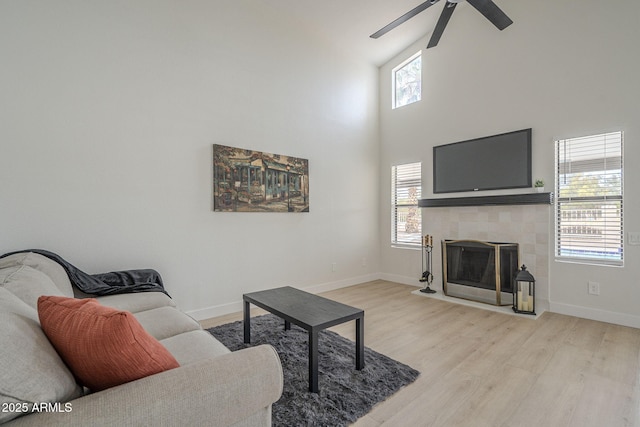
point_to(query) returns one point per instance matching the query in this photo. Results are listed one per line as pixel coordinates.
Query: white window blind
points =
(589, 199)
(406, 190)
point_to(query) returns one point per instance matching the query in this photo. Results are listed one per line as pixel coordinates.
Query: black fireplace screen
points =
(472, 263)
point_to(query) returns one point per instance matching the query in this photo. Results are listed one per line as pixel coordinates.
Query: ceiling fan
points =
(486, 7)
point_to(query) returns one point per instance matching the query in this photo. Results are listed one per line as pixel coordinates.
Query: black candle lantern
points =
(524, 292)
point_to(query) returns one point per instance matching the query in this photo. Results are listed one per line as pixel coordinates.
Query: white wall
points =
(565, 68)
(109, 110)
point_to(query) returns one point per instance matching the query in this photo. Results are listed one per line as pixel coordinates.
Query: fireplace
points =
(479, 271)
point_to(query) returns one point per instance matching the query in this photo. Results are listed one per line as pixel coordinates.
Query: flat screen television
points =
(489, 163)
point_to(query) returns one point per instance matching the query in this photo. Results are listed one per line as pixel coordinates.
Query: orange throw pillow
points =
(102, 346)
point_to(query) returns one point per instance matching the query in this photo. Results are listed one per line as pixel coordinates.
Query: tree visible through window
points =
(406, 190)
(407, 81)
(589, 178)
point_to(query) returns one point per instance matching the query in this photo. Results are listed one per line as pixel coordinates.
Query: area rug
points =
(345, 393)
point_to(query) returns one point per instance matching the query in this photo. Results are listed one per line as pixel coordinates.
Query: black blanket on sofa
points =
(115, 282)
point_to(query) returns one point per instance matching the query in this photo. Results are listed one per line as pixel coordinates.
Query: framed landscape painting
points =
(253, 181)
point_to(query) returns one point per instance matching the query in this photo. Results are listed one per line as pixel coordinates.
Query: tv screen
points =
(489, 163)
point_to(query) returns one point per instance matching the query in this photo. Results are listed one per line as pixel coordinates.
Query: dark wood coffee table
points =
(312, 313)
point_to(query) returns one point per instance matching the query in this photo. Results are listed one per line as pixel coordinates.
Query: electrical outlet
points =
(334, 266)
(364, 261)
(594, 288)
(634, 238)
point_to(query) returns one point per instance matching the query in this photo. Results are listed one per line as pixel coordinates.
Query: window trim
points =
(394, 101)
(562, 200)
(417, 176)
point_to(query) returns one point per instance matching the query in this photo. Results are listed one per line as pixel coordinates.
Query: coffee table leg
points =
(360, 343)
(313, 361)
(287, 325)
(247, 323)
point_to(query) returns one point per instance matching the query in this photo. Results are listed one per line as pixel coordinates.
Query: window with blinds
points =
(406, 218)
(589, 199)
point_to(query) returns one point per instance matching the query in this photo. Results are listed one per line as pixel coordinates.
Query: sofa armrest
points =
(220, 391)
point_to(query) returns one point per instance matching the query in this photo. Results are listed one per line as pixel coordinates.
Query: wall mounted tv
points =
(489, 163)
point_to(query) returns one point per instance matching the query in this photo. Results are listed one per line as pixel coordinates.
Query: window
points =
(406, 185)
(407, 81)
(589, 198)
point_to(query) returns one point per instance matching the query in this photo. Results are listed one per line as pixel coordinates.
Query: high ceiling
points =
(348, 23)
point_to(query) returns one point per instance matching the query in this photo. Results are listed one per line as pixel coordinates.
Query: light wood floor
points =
(487, 369)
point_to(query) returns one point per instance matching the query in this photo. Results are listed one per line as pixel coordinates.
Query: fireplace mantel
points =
(509, 199)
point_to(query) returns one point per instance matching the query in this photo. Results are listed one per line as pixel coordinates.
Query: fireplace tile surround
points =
(527, 225)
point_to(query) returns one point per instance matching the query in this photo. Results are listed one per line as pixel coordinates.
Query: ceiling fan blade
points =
(442, 24)
(492, 12)
(404, 18)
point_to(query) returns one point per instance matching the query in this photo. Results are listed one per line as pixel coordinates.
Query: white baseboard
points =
(236, 306)
(405, 280)
(623, 319)
(215, 310)
(326, 287)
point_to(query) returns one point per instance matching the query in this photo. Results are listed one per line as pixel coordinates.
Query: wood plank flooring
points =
(487, 369)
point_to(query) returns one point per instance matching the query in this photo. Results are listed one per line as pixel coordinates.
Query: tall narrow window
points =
(589, 179)
(406, 219)
(407, 81)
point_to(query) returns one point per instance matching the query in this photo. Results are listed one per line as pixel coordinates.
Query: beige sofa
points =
(212, 386)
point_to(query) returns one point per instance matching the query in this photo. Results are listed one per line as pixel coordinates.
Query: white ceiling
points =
(348, 23)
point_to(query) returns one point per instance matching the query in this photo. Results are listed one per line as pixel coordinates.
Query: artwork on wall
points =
(253, 181)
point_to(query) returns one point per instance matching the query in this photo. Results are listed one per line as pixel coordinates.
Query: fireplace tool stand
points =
(427, 276)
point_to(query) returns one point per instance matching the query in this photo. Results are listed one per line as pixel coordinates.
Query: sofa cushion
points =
(103, 347)
(49, 267)
(27, 283)
(136, 302)
(30, 369)
(165, 322)
(194, 346)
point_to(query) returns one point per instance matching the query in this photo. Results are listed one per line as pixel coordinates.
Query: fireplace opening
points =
(479, 271)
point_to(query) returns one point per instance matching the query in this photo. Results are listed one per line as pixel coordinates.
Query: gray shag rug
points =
(345, 394)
